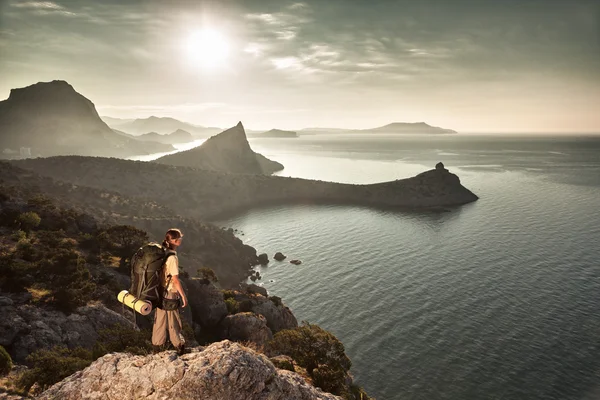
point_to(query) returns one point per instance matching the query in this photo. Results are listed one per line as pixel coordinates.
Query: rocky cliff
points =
(207, 194)
(229, 151)
(51, 118)
(223, 370)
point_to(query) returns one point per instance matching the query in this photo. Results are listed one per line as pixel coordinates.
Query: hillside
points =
(207, 244)
(229, 151)
(51, 118)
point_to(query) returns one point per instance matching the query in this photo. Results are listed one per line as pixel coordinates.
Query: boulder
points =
(295, 262)
(253, 289)
(279, 256)
(263, 259)
(278, 317)
(223, 370)
(440, 166)
(246, 326)
(207, 303)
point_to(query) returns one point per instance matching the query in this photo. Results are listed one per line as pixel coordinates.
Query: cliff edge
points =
(223, 370)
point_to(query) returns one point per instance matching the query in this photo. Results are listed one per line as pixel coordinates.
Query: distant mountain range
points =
(51, 118)
(179, 136)
(160, 125)
(273, 133)
(395, 127)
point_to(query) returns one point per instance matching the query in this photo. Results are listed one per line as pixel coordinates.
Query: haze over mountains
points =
(160, 125)
(51, 118)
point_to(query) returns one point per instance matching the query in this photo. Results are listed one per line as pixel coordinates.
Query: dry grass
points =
(38, 294)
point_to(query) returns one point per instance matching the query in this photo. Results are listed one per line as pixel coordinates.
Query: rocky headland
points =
(229, 151)
(206, 194)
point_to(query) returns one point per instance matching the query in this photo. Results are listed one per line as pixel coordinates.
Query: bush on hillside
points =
(317, 350)
(208, 274)
(5, 361)
(29, 221)
(120, 338)
(232, 305)
(53, 365)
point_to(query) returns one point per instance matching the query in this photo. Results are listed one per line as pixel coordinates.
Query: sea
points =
(497, 299)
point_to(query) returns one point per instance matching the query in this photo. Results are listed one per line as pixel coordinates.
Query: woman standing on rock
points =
(167, 320)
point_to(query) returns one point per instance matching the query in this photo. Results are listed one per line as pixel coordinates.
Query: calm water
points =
(499, 299)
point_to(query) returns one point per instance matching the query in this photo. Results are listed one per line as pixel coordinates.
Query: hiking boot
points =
(181, 350)
(156, 349)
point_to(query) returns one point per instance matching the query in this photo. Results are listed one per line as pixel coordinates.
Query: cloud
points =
(44, 8)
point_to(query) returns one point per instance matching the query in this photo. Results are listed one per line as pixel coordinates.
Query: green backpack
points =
(146, 266)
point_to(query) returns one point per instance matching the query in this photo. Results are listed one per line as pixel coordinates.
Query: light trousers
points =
(167, 321)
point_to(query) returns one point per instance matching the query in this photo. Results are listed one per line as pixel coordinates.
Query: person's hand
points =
(184, 299)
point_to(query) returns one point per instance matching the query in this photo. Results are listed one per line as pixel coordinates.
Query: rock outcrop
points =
(26, 328)
(246, 327)
(234, 192)
(223, 370)
(206, 301)
(51, 118)
(229, 151)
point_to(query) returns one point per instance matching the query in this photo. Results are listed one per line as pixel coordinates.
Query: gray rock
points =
(6, 301)
(279, 256)
(207, 303)
(252, 288)
(224, 371)
(263, 259)
(246, 326)
(28, 328)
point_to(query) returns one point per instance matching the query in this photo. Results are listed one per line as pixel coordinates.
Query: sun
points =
(207, 48)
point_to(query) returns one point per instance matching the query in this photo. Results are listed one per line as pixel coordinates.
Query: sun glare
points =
(207, 48)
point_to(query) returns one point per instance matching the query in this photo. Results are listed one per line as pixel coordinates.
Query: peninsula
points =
(186, 188)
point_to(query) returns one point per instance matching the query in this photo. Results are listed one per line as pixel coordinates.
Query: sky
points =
(472, 66)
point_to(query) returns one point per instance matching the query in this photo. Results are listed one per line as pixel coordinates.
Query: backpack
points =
(146, 267)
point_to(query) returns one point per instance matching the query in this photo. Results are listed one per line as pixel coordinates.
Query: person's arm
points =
(177, 285)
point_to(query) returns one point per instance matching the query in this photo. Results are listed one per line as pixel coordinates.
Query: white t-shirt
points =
(171, 268)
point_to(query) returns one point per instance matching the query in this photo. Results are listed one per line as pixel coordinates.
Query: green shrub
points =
(232, 305)
(5, 361)
(317, 350)
(228, 294)
(53, 365)
(208, 274)
(18, 235)
(29, 220)
(120, 338)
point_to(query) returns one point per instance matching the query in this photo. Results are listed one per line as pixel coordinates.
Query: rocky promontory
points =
(229, 151)
(223, 370)
(207, 194)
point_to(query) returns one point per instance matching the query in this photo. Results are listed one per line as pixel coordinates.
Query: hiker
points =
(170, 320)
